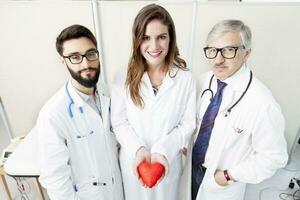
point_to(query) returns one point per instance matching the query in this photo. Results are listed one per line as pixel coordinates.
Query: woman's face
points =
(155, 45)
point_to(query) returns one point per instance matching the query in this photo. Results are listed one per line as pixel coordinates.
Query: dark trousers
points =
(198, 172)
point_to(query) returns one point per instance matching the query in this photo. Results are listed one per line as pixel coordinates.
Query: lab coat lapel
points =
(167, 84)
(77, 109)
(236, 85)
(78, 102)
(202, 105)
(105, 103)
(227, 100)
(231, 94)
(146, 87)
(204, 101)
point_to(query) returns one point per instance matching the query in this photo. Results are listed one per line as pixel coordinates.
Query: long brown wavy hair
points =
(137, 64)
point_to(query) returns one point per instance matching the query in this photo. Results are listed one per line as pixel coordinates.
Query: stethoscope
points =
(228, 111)
(71, 114)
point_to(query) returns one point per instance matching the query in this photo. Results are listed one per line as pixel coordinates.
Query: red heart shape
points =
(150, 173)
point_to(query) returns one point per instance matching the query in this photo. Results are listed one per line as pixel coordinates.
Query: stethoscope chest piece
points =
(226, 113)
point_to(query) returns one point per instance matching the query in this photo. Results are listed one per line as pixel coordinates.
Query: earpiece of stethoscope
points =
(228, 111)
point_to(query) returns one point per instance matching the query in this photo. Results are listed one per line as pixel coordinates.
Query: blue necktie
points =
(207, 125)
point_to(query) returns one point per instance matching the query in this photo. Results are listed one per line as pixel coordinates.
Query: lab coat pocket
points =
(216, 184)
(212, 185)
(229, 192)
(91, 191)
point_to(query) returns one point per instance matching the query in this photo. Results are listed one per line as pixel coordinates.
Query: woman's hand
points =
(156, 157)
(141, 155)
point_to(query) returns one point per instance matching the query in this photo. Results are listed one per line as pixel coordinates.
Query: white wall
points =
(30, 71)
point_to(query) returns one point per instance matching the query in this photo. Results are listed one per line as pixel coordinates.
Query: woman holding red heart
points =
(153, 109)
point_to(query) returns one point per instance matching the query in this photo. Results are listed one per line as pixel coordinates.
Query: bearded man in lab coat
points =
(240, 132)
(78, 152)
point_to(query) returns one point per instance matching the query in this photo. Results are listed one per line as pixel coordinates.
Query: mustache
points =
(89, 68)
(220, 65)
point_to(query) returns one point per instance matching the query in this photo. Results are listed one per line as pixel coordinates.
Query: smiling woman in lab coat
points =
(153, 107)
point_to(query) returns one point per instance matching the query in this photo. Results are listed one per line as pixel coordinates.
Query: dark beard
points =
(89, 82)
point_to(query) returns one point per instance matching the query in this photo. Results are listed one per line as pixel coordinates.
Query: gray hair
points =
(231, 25)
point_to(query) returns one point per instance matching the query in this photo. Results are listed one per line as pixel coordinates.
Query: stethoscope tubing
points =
(78, 135)
(228, 111)
(71, 102)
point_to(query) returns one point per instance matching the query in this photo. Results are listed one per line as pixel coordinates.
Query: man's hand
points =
(184, 151)
(220, 178)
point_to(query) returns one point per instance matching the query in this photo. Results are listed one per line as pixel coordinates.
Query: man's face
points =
(86, 73)
(224, 67)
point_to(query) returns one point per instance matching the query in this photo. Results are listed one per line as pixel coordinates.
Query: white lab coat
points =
(165, 126)
(68, 162)
(249, 142)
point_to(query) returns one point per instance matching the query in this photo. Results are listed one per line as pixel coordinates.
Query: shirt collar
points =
(82, 95)
(85, 97)
(167, 80)
(239, 80)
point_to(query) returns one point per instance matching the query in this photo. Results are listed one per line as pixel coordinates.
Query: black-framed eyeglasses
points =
(78, 58)
(226, 52)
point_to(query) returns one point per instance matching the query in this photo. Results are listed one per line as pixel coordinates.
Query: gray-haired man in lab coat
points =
(240, 132)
